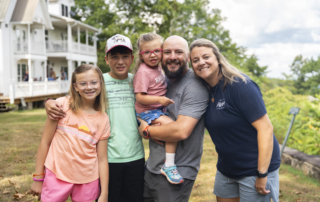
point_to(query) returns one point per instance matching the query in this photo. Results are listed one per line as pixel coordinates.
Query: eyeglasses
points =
(83, 85)
(149, 52)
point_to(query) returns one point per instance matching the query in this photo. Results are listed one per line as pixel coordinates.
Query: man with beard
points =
(190, 102)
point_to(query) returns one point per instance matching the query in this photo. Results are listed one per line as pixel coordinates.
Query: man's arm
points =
(176, 131)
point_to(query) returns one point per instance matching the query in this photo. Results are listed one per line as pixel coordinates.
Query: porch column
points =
(44, 39)
(69, 70)
(45, 71)
(69, 38)
(95, 64)
(46, 86)
(95, 43)
(87, 37)
(11, 93)
(29, 39)
(78, 39)
(30, 77)
(79, 63)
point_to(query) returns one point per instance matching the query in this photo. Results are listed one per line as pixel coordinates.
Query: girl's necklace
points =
(212, 98)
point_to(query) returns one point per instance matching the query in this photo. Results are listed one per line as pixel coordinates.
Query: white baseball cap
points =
(118, 40)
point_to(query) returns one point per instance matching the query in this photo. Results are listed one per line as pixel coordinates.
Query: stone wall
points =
(309, 164)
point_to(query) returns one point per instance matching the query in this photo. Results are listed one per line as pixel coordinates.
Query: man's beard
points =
(174, 74)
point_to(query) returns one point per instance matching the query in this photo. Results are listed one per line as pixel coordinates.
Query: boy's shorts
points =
(150, 115)
(55, 190)
(244, 188)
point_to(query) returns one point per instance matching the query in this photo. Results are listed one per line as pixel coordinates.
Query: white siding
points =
(39, 15)
(54, 8)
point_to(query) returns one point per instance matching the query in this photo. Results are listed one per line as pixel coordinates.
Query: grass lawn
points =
(20, 134)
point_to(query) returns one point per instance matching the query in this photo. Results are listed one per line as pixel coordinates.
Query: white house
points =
(37, 36)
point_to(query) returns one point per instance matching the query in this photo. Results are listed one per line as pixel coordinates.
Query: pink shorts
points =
(55, 190)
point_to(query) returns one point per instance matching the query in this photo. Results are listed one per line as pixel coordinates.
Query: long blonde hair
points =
(144, 38)
(229, 72)
(101, 101)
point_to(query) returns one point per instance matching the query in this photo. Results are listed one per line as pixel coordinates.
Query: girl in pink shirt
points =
(72, 154)
(150, 88)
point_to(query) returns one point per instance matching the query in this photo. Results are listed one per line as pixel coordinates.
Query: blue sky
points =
(274, 30)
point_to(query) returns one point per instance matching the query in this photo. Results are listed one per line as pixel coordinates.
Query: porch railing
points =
(22, 47)
(83, 49)
(38, 88)
(57, 46)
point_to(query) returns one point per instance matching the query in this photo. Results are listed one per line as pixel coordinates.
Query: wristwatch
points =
(262, 175)
(146, 133)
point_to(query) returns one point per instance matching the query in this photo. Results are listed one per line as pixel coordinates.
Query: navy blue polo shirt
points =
(228, 121)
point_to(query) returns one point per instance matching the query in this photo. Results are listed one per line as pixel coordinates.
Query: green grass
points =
(20, 134)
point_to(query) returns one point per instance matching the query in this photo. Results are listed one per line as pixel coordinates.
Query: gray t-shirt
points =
(191, 99)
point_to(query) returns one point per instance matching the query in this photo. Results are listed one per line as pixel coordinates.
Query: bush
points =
(305, 134)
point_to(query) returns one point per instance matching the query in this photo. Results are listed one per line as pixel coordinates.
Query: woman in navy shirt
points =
(237, 120)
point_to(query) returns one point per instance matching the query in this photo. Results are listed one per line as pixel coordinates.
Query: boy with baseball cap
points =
(125, 148)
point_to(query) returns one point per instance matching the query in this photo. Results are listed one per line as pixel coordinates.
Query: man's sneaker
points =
(172, 174)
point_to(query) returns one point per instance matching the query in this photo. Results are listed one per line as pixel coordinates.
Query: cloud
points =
(278, 56)
(276, 31)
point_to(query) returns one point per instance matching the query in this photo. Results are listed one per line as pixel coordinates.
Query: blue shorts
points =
(150, 115)
(244, 188)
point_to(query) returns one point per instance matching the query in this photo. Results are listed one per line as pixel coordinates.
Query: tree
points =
(254, 68)
(192, 19)
(307, 75)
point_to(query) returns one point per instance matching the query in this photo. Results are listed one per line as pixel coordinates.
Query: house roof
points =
(24, 10)
(65, 20)
(4, 4)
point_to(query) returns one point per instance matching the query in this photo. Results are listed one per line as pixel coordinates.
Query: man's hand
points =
(261, 185)
(54, 110)
(142, 126)
(165, 101)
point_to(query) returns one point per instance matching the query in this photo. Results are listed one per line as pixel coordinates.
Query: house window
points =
(21, 72)
(64, 10)
(46, 36)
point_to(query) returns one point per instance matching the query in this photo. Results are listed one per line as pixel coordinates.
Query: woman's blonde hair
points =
(144, 38)
(100, 103)
(228, 71)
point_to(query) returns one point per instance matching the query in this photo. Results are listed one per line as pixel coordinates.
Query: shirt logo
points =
(221, 104)
(159, 79)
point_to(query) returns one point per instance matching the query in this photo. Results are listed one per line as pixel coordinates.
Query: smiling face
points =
(119, 62)
(175, 57)
(88, 85)
(205, 64)
(152, 59)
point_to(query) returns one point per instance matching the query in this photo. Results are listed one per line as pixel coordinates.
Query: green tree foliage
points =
(306, 137)
(254, 68)
(192, 19)
(305, 134)
(306, 74)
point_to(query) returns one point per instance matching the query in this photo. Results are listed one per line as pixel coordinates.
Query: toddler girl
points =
(72, 154)
(150, 88)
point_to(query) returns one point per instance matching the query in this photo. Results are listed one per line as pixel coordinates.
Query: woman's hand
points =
(261, 185)
(36, 189)
(54, 110)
